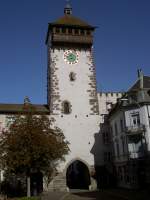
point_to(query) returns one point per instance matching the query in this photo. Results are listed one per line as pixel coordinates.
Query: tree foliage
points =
(31, 144)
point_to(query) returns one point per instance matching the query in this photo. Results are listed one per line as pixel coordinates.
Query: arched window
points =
(72, 76)
(66, 107)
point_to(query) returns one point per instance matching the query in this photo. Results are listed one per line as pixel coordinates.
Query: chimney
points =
(140, 76)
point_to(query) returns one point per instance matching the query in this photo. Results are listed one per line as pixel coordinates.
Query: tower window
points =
(57, 30)
(63, 30)
(88, 32)
(69, 30)
(76, 31)
(66, 107)
(72, 76)
(82, 32)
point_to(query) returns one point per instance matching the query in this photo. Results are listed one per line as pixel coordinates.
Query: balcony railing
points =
(135, 129)
(134, 155)
(130, 155)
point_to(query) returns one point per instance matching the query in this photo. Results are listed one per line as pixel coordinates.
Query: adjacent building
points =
(130, 132)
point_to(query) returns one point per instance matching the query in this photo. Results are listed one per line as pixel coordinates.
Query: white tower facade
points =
(72, 95)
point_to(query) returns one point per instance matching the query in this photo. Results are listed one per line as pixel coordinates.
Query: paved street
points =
(90, 196)
(98, 195)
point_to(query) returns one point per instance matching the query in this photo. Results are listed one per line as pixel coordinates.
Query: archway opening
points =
(78, 176)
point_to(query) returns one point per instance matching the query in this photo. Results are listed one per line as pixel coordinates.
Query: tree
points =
(32, 145)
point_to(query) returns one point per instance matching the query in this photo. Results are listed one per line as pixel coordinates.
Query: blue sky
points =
(121, 45)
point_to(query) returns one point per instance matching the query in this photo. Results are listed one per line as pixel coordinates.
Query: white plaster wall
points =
(80, 133)
(75, 92)
(105, 99)
(79, 126)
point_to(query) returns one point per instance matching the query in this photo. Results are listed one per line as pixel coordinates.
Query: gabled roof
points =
(146, 84)
(19, 109)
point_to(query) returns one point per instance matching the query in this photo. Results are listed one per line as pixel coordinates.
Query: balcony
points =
(130, 156)
(138, 129)
(136, 155)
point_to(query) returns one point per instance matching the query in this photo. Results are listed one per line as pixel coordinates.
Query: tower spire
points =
(68, 8)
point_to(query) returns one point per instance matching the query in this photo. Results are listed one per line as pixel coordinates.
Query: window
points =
(107, 156)
(123, 145)
(88, 32)
(57, 30)
(63, 30)
(68, 11)
(111, 131)
(106, 139)
(121, 125)
(72, 76)
(66, 107)
(116, 129)
(117, 149)
(135, 119)
(69, 30)
(76, 31)
(82, 32)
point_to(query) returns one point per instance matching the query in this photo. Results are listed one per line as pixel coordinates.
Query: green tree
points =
(31, 144)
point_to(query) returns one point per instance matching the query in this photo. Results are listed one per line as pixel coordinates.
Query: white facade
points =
(80, 125)
(130, 127)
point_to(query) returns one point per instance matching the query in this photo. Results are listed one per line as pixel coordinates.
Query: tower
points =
(72, 95)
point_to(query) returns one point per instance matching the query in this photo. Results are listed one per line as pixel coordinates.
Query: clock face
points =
(71, 57)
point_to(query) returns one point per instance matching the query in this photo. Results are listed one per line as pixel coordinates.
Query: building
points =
(102, 149)
(130, 131)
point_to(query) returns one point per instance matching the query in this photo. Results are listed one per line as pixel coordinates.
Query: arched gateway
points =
(78, 175)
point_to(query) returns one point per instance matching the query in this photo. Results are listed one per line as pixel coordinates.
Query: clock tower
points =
(72, 96)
